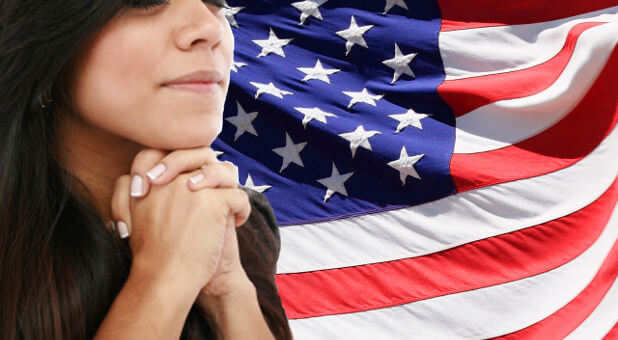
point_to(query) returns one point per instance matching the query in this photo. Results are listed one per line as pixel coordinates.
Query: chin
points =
(192, 140)
(177, 141)
(183, 132)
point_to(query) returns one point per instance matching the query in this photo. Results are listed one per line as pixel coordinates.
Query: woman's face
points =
(157, 76)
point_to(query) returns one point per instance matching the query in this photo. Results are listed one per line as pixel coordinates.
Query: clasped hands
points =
(180, 210)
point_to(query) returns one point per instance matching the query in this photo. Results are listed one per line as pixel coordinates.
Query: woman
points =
(107, 109)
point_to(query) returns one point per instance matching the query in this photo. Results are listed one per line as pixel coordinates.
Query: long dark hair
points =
(60, 266)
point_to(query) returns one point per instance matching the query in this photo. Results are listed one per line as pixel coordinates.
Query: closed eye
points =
(218, 3)
(150, 4)
(146, 4)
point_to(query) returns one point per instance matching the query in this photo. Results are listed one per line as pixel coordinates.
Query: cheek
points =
(112, 80)
(116, 89)
(116, 71)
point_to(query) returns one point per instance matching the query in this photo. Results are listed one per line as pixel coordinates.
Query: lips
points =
(203, 81)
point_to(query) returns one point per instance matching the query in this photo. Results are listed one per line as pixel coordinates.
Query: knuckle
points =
(120, 201)
(121, 182)
(141, 156)
(141, 159)
(212, 171)
(230, 168)
(242, 196)
(182, 179)
(116, 214)
(210, 155)
(173, 157)
(229, 165)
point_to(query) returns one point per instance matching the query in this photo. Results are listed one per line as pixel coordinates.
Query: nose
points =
(201, 26)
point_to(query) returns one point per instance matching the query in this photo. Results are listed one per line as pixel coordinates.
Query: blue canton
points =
(333, 108)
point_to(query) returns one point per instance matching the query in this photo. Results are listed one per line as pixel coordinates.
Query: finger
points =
(231, 221)
(120, 208)
(238, 203)
(230, 243)
(143, 162)
(216, 175)
(180, 161)
(233, 168)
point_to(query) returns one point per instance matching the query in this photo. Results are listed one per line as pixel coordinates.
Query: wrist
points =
(238, 313)
(239, 291)
(167, 281)
(149, 305)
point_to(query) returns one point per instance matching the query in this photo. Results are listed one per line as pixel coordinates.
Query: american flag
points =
(439, 169)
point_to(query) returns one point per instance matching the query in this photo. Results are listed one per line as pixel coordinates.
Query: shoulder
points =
(259, 239)
(261, 210)
(262, 215)
(259, 246)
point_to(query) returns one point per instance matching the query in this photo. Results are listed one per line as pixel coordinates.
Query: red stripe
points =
(458, 14)
(556, 148)
(465, 95)
(483, 263)
(613, 333)
(569, 317)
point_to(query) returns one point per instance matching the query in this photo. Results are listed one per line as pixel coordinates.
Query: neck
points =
(97, 158)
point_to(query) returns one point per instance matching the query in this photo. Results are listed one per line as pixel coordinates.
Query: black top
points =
(259, 244)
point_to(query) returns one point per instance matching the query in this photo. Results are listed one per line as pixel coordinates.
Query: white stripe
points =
(510, 121)
(601, 320)
(451, 221)
(475, 314)
(489, 50)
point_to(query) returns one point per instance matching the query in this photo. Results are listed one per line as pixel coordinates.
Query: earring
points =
(44, 99)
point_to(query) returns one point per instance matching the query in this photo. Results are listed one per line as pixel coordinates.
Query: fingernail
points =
(196, 179)
(111, 225)
(157, 171)
(137, 186)
(123, 231)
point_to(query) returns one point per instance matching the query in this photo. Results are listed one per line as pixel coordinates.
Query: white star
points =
(230, 12)
(272, 45)
(269, 88)
(359, 137)
(309, 8)
(318, 72)
(313, 113)
(410, 118)
(335, 183)
(362, 97)
(237, 65)
(401, 64)
(290, 152)
(354, 35)
(218, 153)
(259, 188)
(243, 122)
(405, 165)
(391, 3)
